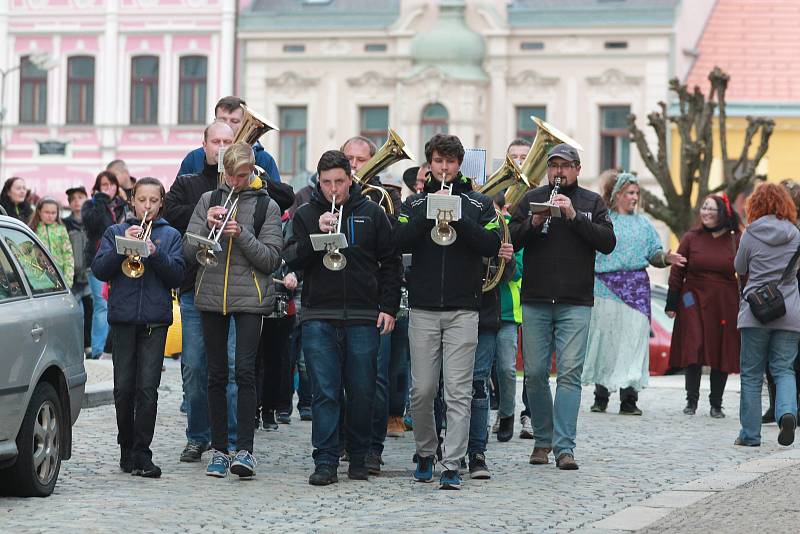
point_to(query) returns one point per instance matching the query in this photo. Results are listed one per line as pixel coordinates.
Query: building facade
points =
(126, 79)
(327, 70)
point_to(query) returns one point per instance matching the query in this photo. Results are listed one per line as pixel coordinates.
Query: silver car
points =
(42, 377)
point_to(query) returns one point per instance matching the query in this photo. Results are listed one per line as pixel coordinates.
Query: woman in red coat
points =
(704, 299)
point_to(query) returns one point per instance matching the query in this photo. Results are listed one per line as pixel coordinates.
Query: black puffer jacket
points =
(559, 268)
(447, 277)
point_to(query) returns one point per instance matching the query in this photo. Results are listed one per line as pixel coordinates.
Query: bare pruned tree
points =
(694, 121)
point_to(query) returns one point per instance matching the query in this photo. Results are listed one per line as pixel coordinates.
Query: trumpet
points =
(443, 234)
(205, 256)
(334, 259)
(133, 266)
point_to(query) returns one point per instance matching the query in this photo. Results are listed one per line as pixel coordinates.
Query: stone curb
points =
(661, 504)
(98, 394)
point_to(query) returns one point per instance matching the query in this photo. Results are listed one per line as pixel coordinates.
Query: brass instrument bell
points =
(133, 266)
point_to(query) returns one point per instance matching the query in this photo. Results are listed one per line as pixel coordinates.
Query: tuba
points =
(392, 151)
(253, 126)
(133, 266)
(494, 272)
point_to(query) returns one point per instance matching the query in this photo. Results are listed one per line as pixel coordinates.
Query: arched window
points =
(144, 90)
(192, 90)
(80, 90)
(434, 120)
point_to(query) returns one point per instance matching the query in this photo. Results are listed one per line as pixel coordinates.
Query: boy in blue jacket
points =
(139, 313)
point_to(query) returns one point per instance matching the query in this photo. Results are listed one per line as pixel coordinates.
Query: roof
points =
(757, 44)
(319, 14)
(591, 13)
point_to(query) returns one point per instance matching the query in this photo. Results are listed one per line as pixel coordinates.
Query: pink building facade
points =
(130, 79)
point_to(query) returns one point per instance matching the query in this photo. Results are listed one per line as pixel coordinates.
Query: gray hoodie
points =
(764, 252)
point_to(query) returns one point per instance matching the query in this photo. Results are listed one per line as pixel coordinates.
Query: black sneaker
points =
(373, 461)
(284, 418)
(357, 472)
(477, 467)
(193, 451)
(786, 435)
(463, 464)
(691, 408)
(146, 468)
(257, 423)
(769, 416)
(305, 413)
(323, 475)
(598, 407)
(268, 421)
(506, 429)
(126, 461)
(628, 407)
(716, 412)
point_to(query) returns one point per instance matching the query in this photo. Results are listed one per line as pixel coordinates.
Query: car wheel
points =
(39, 446)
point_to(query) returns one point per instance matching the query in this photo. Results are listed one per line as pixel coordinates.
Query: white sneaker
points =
(496, 425)
(527, 429)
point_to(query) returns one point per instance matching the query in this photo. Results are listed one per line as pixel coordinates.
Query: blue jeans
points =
(762, 346)
(391, 384)
(479, 413)
(99, 316)
(507, 367)
(554, 424)
(337, 356)
(194, 371)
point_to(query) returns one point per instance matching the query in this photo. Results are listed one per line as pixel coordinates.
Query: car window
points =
(10, 283)
(41, 274)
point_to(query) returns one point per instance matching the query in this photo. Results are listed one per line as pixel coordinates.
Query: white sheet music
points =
(448, 204)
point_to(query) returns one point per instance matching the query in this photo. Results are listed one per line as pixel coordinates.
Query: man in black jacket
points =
(179, 205)
(557, 298)
(343, 312)
(444, 297)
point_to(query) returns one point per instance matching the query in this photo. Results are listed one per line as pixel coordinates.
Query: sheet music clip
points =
(328, 242)
(131, 247)
(202, 241)
(545, 209)
(444, 204)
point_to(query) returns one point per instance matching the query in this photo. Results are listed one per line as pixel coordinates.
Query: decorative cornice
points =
(528, 78)
(372, 78)
(614, 77)
(291, 79)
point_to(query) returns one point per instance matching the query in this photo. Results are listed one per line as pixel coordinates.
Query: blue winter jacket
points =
(195, 160)
(145, 300)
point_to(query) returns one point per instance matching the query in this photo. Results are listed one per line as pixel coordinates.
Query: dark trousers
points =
(601, 394)
(137, 361)
(215, 337)
(87, 321)
(718, 380)
(276, 385)
(298, 362)
(391, 384)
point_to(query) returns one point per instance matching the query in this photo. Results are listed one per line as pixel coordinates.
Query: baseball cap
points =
(410, 177)
(79, 189)
(564, 151)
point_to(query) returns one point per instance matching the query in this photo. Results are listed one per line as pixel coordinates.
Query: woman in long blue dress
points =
(617, 354)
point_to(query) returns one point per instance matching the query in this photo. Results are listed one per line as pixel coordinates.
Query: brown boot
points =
(539, 456)
(395, 427)
(566, 462)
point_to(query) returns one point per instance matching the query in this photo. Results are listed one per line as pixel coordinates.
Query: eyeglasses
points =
(560, 166)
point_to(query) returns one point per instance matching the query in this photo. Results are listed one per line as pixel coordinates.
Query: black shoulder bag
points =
(766, 301)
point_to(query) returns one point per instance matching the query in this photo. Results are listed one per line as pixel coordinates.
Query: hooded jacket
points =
(448, 277)
(559, 268)
(765, 250)
(240, 282)
(369, 284)
(145, 300)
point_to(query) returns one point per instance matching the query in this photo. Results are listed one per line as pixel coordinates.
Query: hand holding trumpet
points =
(328, 221)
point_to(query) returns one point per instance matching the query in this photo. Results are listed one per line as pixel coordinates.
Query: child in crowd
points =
(139, 313)
(46, 222)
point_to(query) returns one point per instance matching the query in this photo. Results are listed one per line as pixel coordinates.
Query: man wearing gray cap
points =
(557, 297)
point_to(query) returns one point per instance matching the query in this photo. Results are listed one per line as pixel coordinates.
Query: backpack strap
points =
(216, 198)
(262, 203)
(790, 266)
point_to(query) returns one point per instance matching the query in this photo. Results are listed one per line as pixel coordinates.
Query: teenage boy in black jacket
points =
(557, 298)
(344, 312)
(444, 297)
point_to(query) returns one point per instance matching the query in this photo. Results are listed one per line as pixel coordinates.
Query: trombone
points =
(443, 234)
(205, 256)
(133, 266)
(334, 259)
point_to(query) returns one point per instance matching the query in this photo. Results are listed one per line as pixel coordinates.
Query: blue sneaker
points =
(424, 470)
(218, 465)
(244, 464)
(450, 480)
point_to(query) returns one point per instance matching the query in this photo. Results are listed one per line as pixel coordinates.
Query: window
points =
(531, 45)
(296, 48)
(292, 140)
(615, 45)
(375, 123)
(10, 283)
(80, 90)
(375, 47)
(39, 270)
(525, 127)
(614, 142)
(192, 90)
(144, 90)
(32, 93)
(434, 120)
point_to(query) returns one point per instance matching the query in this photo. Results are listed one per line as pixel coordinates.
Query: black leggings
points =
(718, 380)
(275, 388)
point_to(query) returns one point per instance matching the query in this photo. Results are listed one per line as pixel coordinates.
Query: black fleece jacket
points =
(449, 277)
(559, 268)
(369, 284)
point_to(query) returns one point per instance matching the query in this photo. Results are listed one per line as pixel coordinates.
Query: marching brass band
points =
(344, 247)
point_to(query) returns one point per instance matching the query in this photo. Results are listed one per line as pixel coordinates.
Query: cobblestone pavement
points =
(623, 460)
(769, 501)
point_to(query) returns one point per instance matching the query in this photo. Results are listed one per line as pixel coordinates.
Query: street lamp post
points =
(41, 60)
